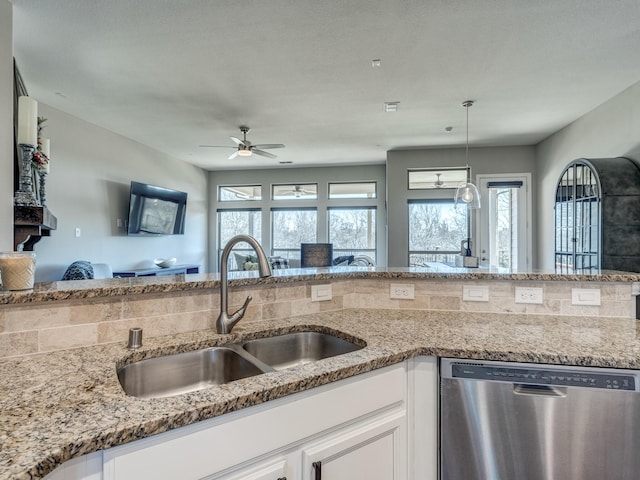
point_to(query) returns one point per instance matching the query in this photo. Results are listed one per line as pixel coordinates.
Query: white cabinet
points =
(375, 450)
(87, 467)
(380, 425)
(422, 411)
(222, 446)
(266, 470)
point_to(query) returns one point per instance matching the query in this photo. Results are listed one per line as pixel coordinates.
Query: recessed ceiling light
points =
(285, 162)
(60, 94)
(391, 106)
(448, 129)
(376, 62)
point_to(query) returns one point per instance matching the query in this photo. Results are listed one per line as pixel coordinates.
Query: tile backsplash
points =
(59, 325)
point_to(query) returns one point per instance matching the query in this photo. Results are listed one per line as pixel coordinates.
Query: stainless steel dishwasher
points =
(518, 421)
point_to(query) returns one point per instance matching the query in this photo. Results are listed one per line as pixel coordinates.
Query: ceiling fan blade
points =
(233, 155)
(217, 146)
(264, 154)
(237, 141)
(269, 145)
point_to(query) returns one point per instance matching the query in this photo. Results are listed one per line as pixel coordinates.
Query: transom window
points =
(239, 193)
(428, 179)
(352, 190)
(308, 191)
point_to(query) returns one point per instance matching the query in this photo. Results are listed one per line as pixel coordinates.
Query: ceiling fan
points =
(297, 191)
(245, 148)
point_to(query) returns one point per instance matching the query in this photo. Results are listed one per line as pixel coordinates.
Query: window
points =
(290, 227)
(239, 193)
(307, 191)
(234, 222)
(352, 190)
(353, 231)
(427, 179)
(436, 230)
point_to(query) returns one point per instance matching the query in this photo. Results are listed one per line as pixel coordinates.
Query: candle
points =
(45, 147)
(17, 270)
(27, 121)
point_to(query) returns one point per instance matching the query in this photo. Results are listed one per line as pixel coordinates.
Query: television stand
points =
(157, 271)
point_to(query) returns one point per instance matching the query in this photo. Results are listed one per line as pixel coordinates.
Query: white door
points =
(503, 222)
(375, 451)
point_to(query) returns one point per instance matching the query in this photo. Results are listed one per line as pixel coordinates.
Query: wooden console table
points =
(157, 271)
(30, 224)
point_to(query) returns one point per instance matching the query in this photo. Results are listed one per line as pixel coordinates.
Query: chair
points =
(102, 270)
(316, 254)
(84, 270)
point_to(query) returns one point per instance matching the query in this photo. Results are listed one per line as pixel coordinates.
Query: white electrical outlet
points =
(320, 293)
(475, 293)
(528, 295)
(78, 232)
(585, 296)
(403, 291)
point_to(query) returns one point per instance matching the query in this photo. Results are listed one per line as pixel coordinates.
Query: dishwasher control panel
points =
(536, 375)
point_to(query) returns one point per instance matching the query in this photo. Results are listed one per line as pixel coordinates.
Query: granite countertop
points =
(82, 289)
(61, 405)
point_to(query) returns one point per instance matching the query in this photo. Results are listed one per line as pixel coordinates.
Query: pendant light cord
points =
(466, 104)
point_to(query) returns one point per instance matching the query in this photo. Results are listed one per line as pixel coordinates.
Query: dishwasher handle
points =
(539, 390)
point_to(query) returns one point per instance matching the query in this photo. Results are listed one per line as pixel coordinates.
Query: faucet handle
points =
(240, 312)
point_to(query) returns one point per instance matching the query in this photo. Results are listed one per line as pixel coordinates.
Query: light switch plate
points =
(320, 293)
(529, 295)
(585, 296)
(475, 293)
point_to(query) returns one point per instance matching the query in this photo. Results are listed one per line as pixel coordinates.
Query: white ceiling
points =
(176, 74)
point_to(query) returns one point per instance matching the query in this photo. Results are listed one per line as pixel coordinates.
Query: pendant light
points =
(467, 193)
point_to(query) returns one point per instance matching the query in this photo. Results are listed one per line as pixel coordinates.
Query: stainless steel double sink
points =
(186, 372)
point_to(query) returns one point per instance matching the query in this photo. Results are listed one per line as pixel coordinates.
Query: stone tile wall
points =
(48, 326)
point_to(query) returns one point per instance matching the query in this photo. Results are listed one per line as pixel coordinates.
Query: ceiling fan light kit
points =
(467, 192)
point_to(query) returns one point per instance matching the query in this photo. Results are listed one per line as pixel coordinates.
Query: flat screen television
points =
(156, 210)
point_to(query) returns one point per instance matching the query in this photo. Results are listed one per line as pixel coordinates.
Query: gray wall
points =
(6, 126)
(481, 161)
(321, 176)
(610, 130)
(88, 188)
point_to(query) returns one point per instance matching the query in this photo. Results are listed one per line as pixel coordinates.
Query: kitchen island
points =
(63, 404)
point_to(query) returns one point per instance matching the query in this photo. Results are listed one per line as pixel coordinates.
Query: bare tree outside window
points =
(353, 231)
(290, 228)
(436, 229)
(236, 222)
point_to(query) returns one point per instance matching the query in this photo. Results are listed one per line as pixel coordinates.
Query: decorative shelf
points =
(30, 224)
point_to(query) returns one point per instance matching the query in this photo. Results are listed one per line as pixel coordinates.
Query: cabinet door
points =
(375, 450)
(266, 470)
